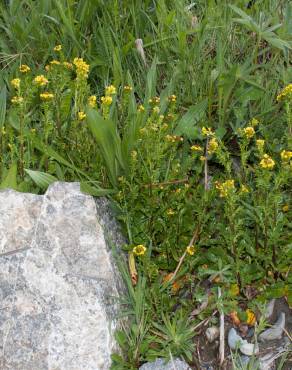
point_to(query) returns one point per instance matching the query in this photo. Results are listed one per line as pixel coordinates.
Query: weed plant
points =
(191, 143)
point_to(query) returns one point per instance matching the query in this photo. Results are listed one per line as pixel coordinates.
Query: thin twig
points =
(182, 181)
(195, 236)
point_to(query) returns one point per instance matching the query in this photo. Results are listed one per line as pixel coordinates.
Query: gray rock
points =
(276, 331)
(58, 282)
(160, 364)
(235, 341)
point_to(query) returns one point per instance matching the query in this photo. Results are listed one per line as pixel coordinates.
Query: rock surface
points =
(160, 364)
(58, 284)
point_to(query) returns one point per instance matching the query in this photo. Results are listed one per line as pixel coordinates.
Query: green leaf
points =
(95, 191)
(2, 106)
(10, 181)
(186, 125)
(42, 179)
(109, 142)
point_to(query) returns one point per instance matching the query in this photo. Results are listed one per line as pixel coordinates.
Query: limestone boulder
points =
(58, 281)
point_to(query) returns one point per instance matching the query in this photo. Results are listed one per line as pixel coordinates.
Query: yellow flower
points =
(17, 100)
(285, 208)
(173, 138)
(40, 80)
(24, 68)
(212, 145)
(244, 189)
(141, 108)
(251, 319)
(106, 100)
(46, 96)
(196, 148)
(81, 116)
(234, 290)
(260, 144)
(249, 132)
(82, 68)
(15, 83)
(68, 65)
(172, 98)
(110, 90)
(55, 62)
(207, 131)
(267, 162)
(134, 155)
(58, 48)
(92, 101)
(170, 212)
(225, 188)
(254, 122)
(286, 92)
(155, 100)
(128, 88)
(156, 110)
(191, 250)
(286, 155)
(139, 250)
(202, 158)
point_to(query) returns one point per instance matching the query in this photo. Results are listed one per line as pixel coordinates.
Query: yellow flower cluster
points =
(286, 155)
(139, 250)
(196, 148)
(81, 116)
(267, 162)
(285, 208)
(68, 65)
(106, 100)
(58, 48)
(225, 188)
(172, 98)
(260, 144)
(207, 131)
(141, 108)
(254, 122)
(41, 80)
(17, 100)
(46, 96)
(92, 101)
(244, 189)
(286, 92)
(15, 83)
(155, 100)
(82, 68)
(173, 138)
(24, 68)
(191, 250)
(170, 212)
(249, 132)
(128, 88)
(212, 145)
(55, 62)
(110, 90)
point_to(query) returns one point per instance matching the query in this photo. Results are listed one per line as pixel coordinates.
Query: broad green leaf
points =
(10, 181)
(42, 179)
(186, 125)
